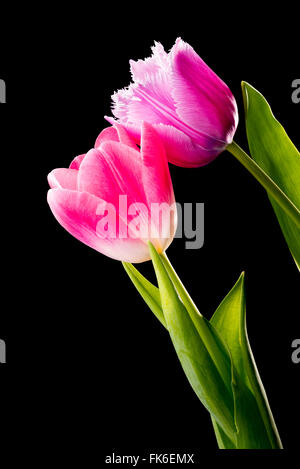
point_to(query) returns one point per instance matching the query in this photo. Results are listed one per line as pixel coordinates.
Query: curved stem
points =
(271, 187)
(183, 293)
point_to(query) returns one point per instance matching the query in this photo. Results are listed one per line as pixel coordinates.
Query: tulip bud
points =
(192, 109)
(117, 197)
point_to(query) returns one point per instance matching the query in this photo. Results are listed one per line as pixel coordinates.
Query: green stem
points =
(213, 344)
(271, 187)
(184, 295)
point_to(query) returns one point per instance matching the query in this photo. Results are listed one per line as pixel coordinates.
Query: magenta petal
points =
(107, 134)
(117, 133)
(158, 187)
(77, 213)
(95, 177)
(133, 130)
(124, 136)
(112, 170)
(182, 97)
(124, 166)
(63, 178)
(124, 173)
(156, 176)
(181, 149)
(203, 101)
(132, 106)
(75, 164)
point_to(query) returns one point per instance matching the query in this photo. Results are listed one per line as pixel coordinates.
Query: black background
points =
(89, 369)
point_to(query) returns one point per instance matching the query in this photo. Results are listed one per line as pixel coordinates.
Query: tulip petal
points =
(63, 178)
(95, 177)
(107, 134)
(152, 74)
(149, 98)
(124, 137)
(116, 170)
(77, 213)
(75, 164)
(156, 176)
(158, 187)
(181, 149)
(110, 171)
(130, 106)
(125, 167)
(133, 130)
(203, 101)
(141, 70)
(117, 133)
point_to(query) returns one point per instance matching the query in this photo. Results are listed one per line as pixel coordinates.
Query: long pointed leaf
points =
(147, 290)
(253, 417)
(196, 362)
(223, 441)
(273, 151)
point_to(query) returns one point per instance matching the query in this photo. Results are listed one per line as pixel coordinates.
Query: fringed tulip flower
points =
(191, 108)
(117, 197)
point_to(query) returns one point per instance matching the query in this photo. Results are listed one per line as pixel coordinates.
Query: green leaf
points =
(197, 363)
(253, 417)
(147, 290)
(223, 441)
(213, 342)
(273, 151)
(241, 418)
(151, 295)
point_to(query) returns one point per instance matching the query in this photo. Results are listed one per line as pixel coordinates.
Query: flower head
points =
(116, 198)
(192, 109)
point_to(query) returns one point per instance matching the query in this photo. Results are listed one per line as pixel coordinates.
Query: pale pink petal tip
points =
(63, 178)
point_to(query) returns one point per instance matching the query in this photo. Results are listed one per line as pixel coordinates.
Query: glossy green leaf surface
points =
(151, 296)
(224, 442)
(239, 409)
(253, 417)
(197, 363)
(273, 151)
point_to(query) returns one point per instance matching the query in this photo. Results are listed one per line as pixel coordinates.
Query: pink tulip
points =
(88, 199)
(191, 108)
